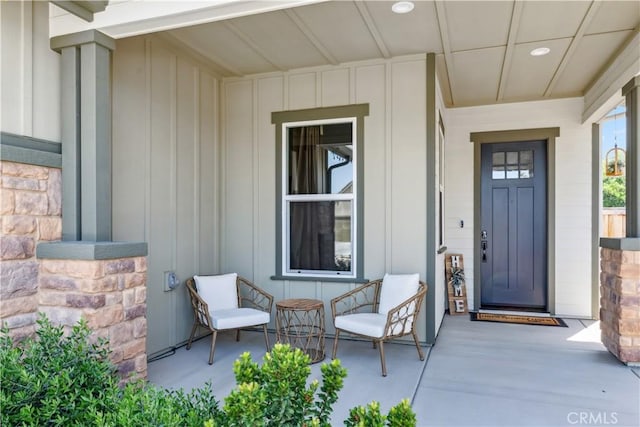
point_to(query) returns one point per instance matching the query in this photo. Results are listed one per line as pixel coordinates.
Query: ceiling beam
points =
(571, 50)
(247, 40)
(441, 16)
(373, 29)
(511, 42)
(311, 36)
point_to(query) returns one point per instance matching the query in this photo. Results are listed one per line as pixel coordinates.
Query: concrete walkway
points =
(477, 374)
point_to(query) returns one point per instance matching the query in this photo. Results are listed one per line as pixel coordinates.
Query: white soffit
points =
(409, 33)
(614, 16)
(584, 65)
(530, 76)
(348, 37)
(489, 20)
(544, 20)
(227, 53)
(482, 83)
(279, 44)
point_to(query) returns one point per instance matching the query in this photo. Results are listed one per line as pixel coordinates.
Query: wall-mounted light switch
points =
(461, 224)
(170, 281)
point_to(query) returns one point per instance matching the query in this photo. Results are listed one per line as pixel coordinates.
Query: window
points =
(512, 164)
(320, 194)
(319, 198)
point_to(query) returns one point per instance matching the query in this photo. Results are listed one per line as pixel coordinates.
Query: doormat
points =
(523, 320)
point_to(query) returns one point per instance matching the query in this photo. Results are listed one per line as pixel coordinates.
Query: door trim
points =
(518, 135)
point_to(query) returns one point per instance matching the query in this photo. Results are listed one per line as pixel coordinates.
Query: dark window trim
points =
(359, 111)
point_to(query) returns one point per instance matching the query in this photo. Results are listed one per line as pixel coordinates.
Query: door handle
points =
(483, 245)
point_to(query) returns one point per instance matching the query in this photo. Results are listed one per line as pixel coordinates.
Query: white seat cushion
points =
(368, 324)
(397, 288)
(238, 318)
(219, 292)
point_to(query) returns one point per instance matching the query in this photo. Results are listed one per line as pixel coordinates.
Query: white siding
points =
(30, 72)
(395, 176)
(165, 182)
(572, 191)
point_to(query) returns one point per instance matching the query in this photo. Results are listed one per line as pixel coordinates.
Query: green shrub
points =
(54, 380)
(67, 380)
(57, 379)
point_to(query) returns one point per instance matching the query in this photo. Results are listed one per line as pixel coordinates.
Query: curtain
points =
(312, 245)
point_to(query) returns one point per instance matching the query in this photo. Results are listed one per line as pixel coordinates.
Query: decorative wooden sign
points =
(456, 286)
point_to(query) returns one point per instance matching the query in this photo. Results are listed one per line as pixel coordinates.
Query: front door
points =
(513, 229)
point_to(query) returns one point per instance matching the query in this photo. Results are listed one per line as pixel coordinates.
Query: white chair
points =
(380, 310)
(225, 302)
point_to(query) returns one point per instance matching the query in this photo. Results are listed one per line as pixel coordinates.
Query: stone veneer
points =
(109, 294)
(30, 205)
(620, 303)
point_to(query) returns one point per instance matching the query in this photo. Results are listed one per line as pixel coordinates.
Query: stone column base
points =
(620, 303)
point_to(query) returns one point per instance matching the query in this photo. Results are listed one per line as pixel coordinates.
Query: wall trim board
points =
(432, 204)
(29, 150)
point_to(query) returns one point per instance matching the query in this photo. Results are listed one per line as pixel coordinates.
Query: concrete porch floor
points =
(477, 374)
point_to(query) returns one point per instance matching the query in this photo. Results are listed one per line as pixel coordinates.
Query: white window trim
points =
(287, 198)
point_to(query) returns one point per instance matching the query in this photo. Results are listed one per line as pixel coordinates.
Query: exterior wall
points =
(30, 208)
(29, 71)
(394, 168)
(165, 190)
(572, 193)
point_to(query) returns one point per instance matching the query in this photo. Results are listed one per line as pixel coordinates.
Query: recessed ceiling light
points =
(402, 7)
(541, 51)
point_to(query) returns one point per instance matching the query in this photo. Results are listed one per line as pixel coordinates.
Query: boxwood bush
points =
(58, 379)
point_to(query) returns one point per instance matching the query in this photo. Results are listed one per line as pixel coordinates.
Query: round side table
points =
(300, 323)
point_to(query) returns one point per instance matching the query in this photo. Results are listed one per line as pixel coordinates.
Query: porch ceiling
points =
(482, 46)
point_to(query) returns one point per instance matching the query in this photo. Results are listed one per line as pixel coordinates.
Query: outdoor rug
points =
(521, 319)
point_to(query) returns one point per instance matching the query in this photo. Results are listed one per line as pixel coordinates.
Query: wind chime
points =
(616, 157)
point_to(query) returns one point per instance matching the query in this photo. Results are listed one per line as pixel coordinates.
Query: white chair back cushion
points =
(397, 288)
(219, 292)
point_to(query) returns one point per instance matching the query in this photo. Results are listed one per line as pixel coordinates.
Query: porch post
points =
(86, 134)
(86, 275)
(632, 169)
(620, 258)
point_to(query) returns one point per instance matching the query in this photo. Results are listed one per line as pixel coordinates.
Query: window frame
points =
(328, 115)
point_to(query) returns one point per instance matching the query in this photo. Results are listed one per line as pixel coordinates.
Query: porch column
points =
(86, 134)
(630, 92)
(87, 275)
(620, 258)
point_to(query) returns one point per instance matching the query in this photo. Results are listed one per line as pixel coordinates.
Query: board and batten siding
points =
(394, 169)
(165, 179)
(573, 283)
(30, 75)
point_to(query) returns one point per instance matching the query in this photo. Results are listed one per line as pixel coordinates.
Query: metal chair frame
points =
(249, 296)
(366, 299)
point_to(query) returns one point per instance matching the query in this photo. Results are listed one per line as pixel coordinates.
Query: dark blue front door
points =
(513, 229)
